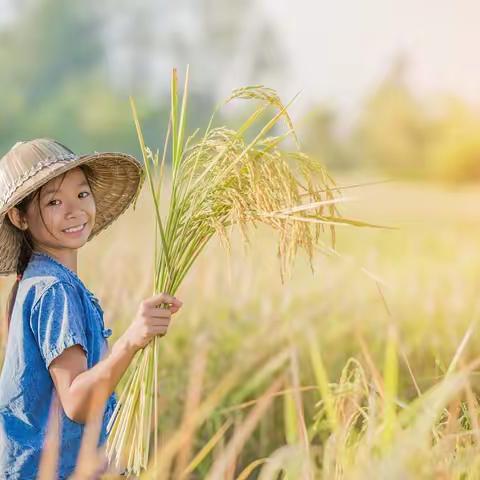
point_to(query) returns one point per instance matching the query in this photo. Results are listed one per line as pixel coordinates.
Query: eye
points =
(55, 204)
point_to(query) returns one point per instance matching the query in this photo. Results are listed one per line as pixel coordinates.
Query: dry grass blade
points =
(217, 472)
(322, 380)
(461, 347)
(249, 403)
(91, 460)
(207, 448)
(193, 397)
(304, 438)
(172, 446)
(246, 472)
(390, 376)
(50, 453)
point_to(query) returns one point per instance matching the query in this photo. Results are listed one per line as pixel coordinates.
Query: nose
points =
(74, 208)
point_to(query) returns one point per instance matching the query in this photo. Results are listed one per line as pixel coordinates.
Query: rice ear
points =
(222, 179)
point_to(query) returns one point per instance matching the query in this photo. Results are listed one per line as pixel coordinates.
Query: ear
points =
(16, 218)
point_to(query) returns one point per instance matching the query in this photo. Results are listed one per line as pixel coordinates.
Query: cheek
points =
(36, 224)
(52, 219)
(37, 228)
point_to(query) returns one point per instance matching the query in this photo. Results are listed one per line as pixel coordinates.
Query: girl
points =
(51, 203)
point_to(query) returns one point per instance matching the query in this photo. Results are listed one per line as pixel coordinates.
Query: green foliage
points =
(454, 152)
(392, 129)
(55, 84)
(401, 135)
(319, 138)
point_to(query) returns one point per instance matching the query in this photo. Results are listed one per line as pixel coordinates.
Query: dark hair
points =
(27, 245)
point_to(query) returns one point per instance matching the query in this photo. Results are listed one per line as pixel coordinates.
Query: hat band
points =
(30, 173)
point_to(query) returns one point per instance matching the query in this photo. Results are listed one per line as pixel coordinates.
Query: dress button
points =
(106, 332)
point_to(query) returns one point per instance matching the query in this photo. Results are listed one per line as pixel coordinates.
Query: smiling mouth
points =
(76, 229)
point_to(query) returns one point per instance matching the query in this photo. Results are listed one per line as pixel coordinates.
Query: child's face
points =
(71, 206)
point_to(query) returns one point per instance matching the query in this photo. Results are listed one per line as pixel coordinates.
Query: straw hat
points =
(118, 179)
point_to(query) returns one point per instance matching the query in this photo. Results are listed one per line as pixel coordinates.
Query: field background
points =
(422, 278)
(338, 365)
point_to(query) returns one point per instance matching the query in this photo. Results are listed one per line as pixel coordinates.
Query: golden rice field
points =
(362, 370)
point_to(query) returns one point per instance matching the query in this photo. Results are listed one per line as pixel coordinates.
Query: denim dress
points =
(53, 310)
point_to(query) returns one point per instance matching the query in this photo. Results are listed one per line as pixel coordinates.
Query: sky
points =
(339, 50)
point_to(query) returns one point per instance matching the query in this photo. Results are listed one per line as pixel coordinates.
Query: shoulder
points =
(44, 295)
(52, 287)
(34, 288)
(40, 278)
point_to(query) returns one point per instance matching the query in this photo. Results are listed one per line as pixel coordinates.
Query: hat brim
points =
(116, 183)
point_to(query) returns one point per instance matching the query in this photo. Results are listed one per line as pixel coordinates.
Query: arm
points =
(79, 388)
(75, 384)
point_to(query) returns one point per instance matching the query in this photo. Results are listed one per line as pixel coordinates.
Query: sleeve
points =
(58, 321)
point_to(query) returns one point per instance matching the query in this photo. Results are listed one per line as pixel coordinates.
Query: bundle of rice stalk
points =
(219, 181)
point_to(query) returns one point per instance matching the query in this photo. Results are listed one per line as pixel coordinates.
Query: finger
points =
(158, 312)
(159, 298)
(169, 306)
(178, 303)
(160, 322)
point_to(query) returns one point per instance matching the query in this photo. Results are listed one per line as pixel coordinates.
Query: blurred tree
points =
(52, 80)
(392, 130)
(318, 136)
(260, 55)
(226, 44)
(52, 53)
(68, 68)
(453, 153)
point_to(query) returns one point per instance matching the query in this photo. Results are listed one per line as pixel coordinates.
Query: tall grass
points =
(221, 180)
(430, 281)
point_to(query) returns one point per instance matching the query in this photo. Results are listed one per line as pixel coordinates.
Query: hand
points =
(152, 319)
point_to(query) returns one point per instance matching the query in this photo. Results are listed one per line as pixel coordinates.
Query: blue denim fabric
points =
(53, 310)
